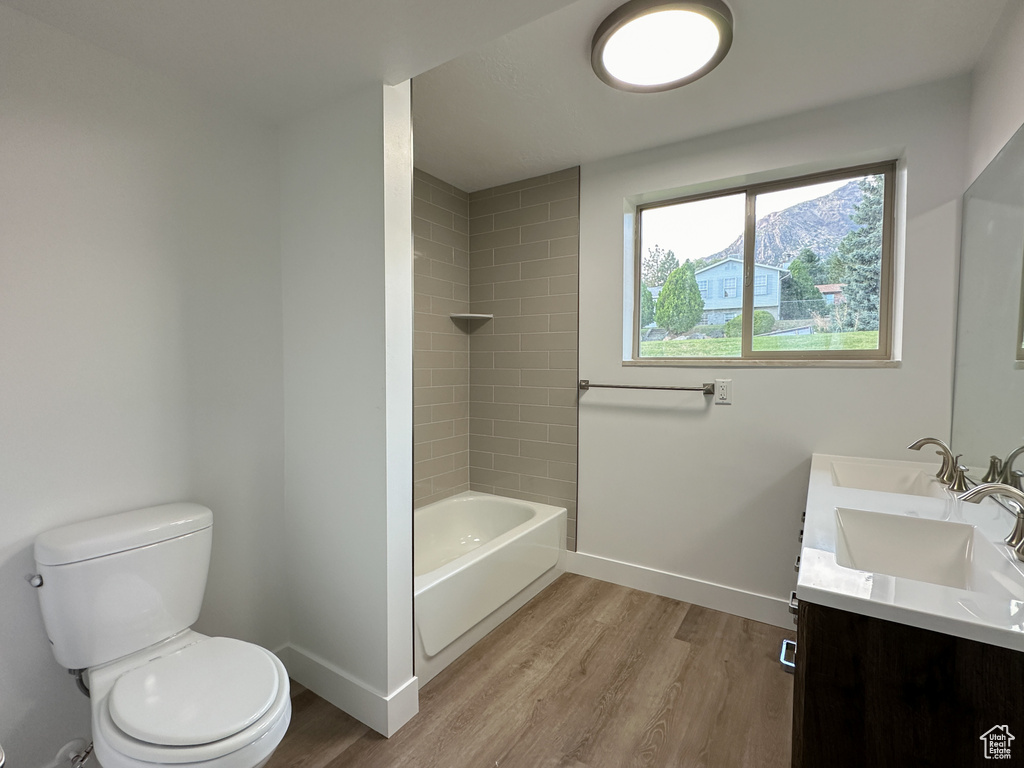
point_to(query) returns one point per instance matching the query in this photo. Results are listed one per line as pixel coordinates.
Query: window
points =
(799, 269)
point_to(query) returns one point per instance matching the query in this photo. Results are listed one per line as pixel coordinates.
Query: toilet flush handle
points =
(34, 580)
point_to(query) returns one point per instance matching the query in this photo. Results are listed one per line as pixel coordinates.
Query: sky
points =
(698, 229)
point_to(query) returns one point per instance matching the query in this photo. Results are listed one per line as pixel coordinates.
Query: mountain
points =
(818, 224)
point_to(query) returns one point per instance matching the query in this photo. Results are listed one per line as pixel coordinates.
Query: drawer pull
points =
(787, 658)
(796, 564)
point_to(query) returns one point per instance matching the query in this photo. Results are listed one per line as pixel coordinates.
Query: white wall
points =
(140, 341)
(997, 91)
(703, 502)
(347, 280)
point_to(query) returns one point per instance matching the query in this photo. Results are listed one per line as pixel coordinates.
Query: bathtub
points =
(477, 559)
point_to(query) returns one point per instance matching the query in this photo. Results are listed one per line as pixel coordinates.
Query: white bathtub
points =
(478, 558)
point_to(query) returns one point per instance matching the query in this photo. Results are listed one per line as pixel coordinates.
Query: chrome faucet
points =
(1008, 465)
(947, 472)
(1016, 500)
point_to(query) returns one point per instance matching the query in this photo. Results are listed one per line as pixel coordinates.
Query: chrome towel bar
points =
(707, 389)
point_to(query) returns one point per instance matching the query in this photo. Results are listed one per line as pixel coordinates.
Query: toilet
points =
(119, 595)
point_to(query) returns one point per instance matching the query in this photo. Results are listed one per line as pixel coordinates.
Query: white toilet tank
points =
(116, 584)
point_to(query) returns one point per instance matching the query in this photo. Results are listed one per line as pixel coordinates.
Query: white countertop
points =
(974, 614)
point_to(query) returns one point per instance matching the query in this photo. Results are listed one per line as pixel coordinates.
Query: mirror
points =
(988, 387)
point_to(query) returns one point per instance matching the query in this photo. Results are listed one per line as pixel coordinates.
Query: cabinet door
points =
(874, 694)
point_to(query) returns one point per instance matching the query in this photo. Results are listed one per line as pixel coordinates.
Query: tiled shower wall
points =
(441, 346)
(524, 258)
(495, 400)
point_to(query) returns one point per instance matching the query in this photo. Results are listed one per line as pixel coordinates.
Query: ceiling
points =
(504, 90)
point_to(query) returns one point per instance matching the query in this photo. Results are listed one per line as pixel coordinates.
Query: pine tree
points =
(861, 252)
(646, 305)
(800, 296)
(680, 304)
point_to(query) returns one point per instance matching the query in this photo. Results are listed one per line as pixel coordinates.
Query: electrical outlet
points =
(723, 391)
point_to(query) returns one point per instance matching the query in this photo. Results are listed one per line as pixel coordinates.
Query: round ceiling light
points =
(653, 45)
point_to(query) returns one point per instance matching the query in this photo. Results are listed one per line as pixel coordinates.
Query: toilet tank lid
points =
(118, 533)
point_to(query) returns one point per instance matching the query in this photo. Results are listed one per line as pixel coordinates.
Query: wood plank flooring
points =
(586, 675)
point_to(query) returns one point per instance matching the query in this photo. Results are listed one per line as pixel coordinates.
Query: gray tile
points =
(550, 230)
(508, 480)
(493, 204)
(495, 342)
(521, 324)
(521, 395)
(430, 432)
(568, 321)
(568, 208)
(481, 394)
(567, 398)
(506, 377)
(520, 465)
(558, 433)
(563, 265)
(501, 238)
(451, 237)
(432, 213)
(558, 190)
(521, 430)
(481, 224)
(495, 411)
(546, 414)
(514, 253)
(562, 470)
(549, 305)
(481, 426)
(564, 246)
(549, 451)
(522, 359)
(521, 288)
(534, 214)
(549, 378)
(450, 445)
(497, 274)
(548, 341)
(564, 284)
(563, 359)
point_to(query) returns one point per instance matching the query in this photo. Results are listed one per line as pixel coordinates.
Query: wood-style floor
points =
(586, 675)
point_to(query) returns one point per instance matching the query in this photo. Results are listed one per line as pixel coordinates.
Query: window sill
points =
(740, 363)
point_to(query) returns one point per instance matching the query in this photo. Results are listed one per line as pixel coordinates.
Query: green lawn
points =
(731, 347)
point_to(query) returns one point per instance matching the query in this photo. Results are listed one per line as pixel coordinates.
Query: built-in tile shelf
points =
(469, 316)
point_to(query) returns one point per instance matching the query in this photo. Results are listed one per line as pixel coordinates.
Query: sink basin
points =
(888, 478)
(942, 552)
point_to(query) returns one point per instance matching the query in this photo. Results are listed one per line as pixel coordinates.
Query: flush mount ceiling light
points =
(652, 45)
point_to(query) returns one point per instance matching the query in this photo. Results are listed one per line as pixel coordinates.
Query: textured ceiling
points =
(278, 58)
(515, 101)
(529, 103)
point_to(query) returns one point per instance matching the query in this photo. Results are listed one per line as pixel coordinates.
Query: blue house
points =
(721, 286)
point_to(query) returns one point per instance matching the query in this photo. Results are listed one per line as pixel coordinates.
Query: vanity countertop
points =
(986, 605)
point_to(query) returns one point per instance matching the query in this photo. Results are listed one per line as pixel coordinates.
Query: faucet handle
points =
(1015, 480)
(995, 470)
(959, 484)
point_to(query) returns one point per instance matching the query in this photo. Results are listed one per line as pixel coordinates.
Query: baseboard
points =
(749, 605)
(384, 714)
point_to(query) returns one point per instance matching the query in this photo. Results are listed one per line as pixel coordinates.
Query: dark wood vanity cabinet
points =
(875, 694)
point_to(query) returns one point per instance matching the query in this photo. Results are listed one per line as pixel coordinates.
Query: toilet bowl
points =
(119, 595)
(190, 701)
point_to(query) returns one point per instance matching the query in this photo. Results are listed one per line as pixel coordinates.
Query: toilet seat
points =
(203, 719)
